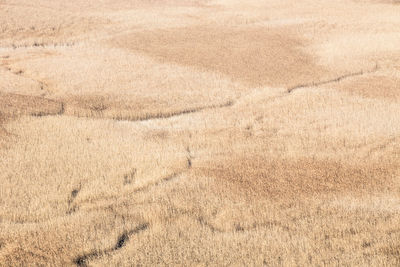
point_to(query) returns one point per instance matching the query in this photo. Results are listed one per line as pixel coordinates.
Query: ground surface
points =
(200, 132)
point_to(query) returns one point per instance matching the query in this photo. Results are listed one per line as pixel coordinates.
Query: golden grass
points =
(201, 133)
(15, 104)
(130, 87)
(254, 56)
(366, 87)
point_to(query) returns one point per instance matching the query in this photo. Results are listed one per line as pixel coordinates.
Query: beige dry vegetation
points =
(183, 132)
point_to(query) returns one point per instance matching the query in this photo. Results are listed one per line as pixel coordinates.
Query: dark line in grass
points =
(121, 242)
(335, 80)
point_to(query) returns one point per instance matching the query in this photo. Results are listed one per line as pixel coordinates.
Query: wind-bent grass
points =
(164, 133)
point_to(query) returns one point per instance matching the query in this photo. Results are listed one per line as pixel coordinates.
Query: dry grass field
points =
(199, 133)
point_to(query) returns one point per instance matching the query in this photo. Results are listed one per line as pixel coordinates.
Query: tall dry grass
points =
(199, 133)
